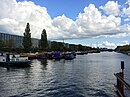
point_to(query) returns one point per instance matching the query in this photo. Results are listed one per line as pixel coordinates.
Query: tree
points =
(44, 42)
(56, 46)
(27, 43)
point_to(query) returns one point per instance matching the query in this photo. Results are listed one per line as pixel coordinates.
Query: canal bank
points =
(90, 75)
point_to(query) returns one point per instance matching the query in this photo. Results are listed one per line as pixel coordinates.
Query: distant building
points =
(16, 40)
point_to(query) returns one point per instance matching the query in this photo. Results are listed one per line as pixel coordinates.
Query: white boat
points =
(14, 60)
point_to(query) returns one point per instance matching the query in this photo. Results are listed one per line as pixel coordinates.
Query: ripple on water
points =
(87, 76)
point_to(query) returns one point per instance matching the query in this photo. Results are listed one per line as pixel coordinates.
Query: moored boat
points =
(37, 55)
(29, 55)
(57, 55)
(69, 56)
(14, 60)
(82, 53)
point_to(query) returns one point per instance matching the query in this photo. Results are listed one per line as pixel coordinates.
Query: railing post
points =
(120, 78)
(122, 75)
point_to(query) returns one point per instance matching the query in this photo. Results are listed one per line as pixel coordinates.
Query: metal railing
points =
(121, 83)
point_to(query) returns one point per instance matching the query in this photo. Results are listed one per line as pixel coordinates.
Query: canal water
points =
(90, 75)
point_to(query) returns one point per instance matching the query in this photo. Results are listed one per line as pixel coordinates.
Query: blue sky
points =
(105, 23)
(71, 8)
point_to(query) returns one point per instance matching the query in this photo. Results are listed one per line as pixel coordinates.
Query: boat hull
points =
(69, 56)
(16, 63)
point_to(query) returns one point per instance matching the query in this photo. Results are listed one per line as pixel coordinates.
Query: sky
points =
(102, 23)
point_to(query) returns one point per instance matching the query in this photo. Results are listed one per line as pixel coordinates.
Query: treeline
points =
(60, 46)
(52, 46)
(123, 49)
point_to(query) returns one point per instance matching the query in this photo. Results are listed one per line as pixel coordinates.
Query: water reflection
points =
(43, 63)
(86, 76)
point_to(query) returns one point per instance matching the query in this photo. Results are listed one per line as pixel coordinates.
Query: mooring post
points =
(122, 75)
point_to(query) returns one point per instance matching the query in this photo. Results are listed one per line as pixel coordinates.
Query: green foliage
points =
(123, 48)
(73, 47)
(27, 43)
(56, 46)
(82, 48)
(43, 41)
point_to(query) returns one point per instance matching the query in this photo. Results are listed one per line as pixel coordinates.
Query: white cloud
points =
(126, 9)
(111, 8)
(107, 44)
(91, 23)
(123, 43)
(112, 45)
(126, 20)
(65, 25)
